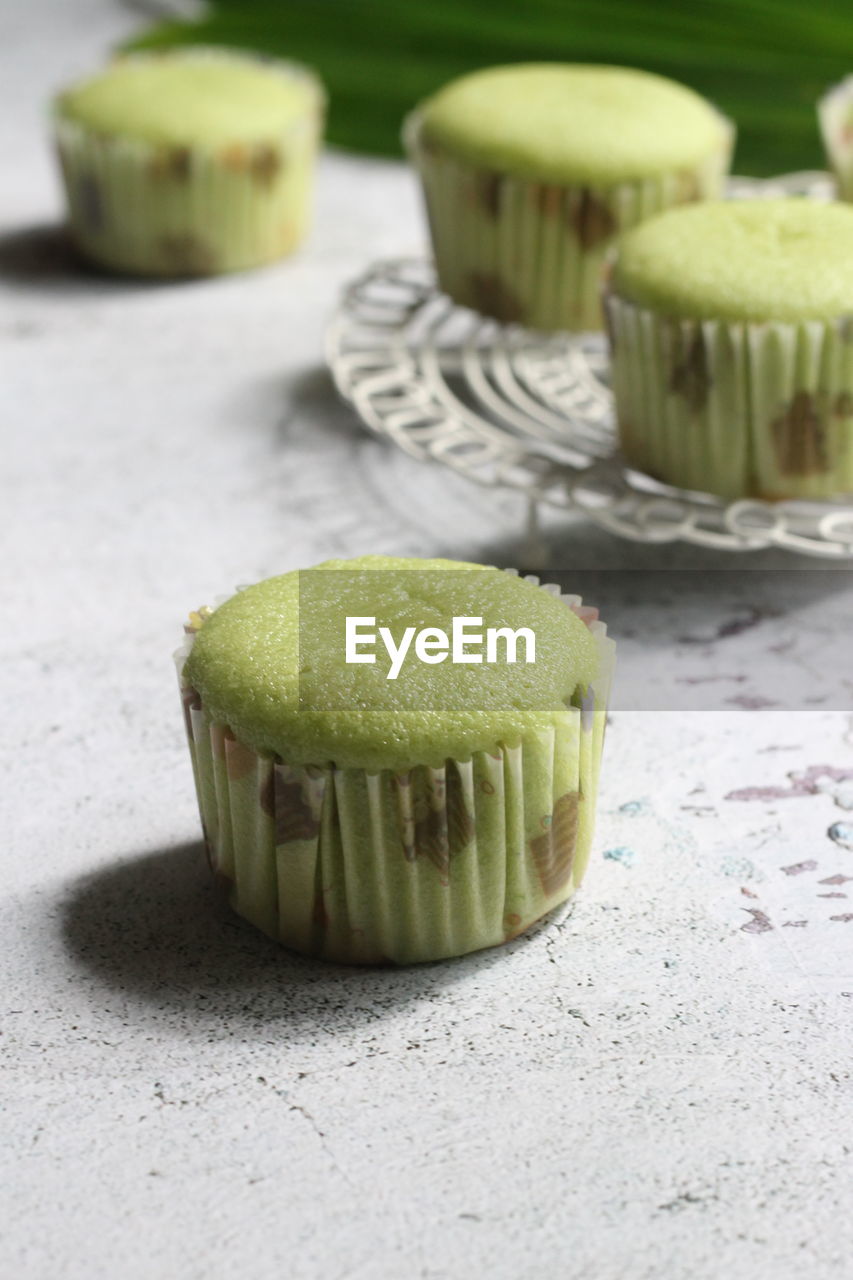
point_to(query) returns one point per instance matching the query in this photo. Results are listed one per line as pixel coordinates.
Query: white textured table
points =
(660, 1086)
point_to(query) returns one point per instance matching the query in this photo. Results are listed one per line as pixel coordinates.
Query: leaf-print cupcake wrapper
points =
(739, 410)
(835, 115)
(533, 253)
(162, 210)
(389, 867)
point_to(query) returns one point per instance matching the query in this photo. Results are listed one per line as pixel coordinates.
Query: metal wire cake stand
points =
(504, 406)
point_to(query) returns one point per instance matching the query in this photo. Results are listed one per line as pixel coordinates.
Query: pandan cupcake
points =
(530, 173)
(732, 348)
(835, 113)
(371, 817)
(190, 162)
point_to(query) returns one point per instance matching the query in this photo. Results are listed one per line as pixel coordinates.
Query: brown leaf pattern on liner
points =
(493, 297)
(460, 823)
(554, 850)
(488, 192)
(172, 163)
(435, 821)
(293, 798)
(593, 221)
(690, 377)
(266, 164)
(549, 199)
(186, 255)
(689, 187)
(235, 158)
(513, 926)
(799, 436)
(240, 760)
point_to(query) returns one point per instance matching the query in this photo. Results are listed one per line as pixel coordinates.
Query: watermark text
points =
(468, 642)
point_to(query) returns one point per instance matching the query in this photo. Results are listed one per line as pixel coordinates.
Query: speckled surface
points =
(658, 1084)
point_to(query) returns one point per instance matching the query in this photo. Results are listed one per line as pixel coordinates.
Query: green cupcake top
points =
(191, 97)
(285, 687)
(742, 260)
(563, 122)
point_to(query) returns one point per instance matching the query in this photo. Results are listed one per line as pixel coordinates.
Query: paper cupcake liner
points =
(738, 410)
(401, 867)
(532, 252)
(194, 210)
(835, 115)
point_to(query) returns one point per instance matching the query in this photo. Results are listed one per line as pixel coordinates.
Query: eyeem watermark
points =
(432, 645)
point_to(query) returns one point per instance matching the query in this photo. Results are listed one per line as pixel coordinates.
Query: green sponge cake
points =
(190, 162)
(565, 123)
(531, 171)
(732, 360)
(407, 753)
(212, 101)
(747, 260)
(245, 665)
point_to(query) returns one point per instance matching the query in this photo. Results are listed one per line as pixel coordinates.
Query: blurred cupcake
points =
(530, 173)
(732, 348)
(835, 113)
(367, 817)
(191, 162)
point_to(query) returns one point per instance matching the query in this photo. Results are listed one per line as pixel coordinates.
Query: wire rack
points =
(504, 406)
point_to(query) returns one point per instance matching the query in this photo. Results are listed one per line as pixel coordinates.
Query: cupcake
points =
(368, 807)
(189, 163)
(530, 173)
(835, 113)
(732, 348)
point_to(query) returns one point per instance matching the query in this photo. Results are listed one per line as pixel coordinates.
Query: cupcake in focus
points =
(531, 172)
(731, 328)
(189, 162)
(369, 817)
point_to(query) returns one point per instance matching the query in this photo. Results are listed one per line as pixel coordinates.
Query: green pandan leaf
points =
(764, 62)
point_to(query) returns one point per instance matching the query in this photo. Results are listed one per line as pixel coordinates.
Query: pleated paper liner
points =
(196, 210)
(532, 252)
(400, 867)
(739, 410)
(835, 114)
